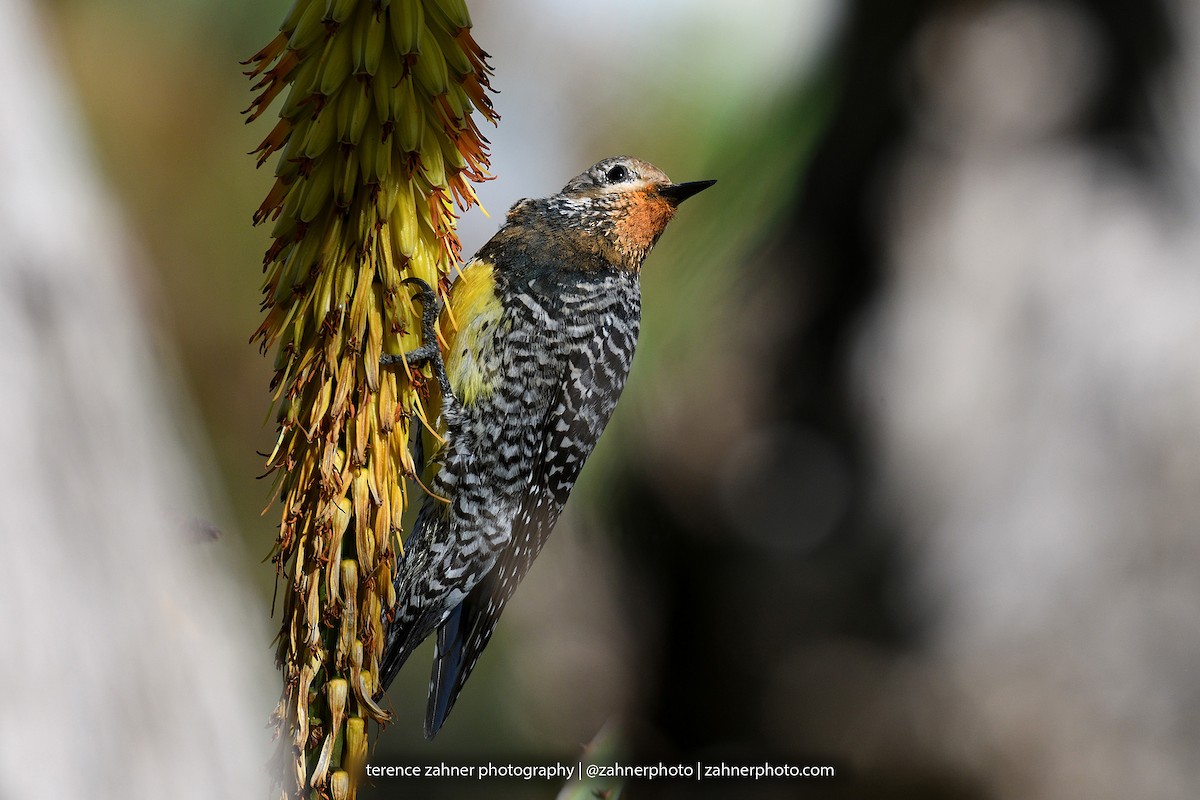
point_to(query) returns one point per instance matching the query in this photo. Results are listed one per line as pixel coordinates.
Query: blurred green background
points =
(699, 89)
(841, 503)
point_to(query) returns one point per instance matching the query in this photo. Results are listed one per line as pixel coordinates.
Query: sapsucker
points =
(546, 318)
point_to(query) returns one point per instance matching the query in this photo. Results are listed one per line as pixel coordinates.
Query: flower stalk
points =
(377, 146)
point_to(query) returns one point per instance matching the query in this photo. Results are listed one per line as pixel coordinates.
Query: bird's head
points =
(627, 201)
(620, 205)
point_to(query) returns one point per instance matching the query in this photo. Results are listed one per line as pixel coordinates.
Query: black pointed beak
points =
(678, 192)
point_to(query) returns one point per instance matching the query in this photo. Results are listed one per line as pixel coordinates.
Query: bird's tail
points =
(448, 674)
(462, 636)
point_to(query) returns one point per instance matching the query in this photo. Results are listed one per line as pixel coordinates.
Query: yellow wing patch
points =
(471, 362)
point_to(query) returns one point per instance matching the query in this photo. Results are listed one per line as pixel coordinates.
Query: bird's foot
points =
(430, 352)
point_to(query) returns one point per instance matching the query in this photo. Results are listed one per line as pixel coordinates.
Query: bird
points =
(547, 316)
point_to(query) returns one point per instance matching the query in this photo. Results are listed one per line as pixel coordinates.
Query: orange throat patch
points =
(641, 222)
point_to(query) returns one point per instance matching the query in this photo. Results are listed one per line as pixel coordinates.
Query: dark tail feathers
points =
(461, 639)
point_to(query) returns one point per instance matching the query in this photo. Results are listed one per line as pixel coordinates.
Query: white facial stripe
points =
(628, 186)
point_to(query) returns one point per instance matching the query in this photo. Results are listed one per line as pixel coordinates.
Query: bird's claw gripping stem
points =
(429, 351)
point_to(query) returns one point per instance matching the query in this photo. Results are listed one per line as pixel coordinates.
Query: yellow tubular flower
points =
(376, 143)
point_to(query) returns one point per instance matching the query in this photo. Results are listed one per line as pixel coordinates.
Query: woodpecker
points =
(547, 316)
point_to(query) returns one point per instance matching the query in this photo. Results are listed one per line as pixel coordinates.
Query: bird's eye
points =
(617, 174)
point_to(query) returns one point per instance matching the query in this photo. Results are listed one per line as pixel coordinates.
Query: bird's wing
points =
(432, 551)
(587, 394)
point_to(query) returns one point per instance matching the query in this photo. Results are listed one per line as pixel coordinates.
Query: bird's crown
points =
(616, 175)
